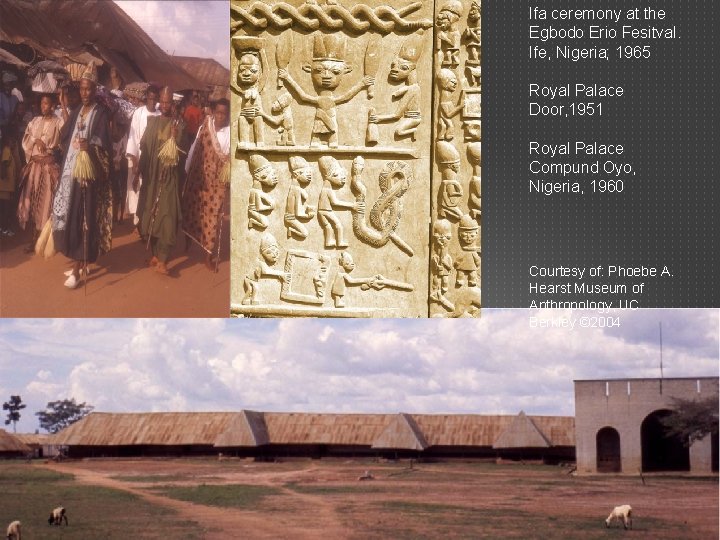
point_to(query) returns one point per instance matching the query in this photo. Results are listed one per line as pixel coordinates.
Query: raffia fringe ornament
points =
(225, 173)
(83, 171)
(169, 153)
(45, 244)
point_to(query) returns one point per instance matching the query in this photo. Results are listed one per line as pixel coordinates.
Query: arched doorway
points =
(607, 450)
(661, 453)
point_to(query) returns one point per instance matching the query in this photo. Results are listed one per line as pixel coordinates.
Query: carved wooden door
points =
(356, 171)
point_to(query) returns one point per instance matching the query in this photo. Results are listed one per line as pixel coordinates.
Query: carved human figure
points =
(467, 264)
(474, 75)
(451, 191)
(285, 124)
(343, 279)
(474, 187)
(327, 71)
(472, 35)
(441, 263)
(448, 36)
(473, 130)
(447, 80)
(251, 119)
(334, 177)
(403, 69)
(269, 255)
(320, 277)
(296, 208)
(260, 203)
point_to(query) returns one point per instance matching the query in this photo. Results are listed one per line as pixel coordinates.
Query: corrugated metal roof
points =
(73, 30)
(11, 443)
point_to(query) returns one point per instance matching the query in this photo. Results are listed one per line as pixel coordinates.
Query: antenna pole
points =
(661, 358)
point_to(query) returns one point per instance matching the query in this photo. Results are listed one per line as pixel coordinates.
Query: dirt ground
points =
(314, 499)
(119, 285)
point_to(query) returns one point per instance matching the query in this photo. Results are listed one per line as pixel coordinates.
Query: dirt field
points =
(120, 285)
(324, 499)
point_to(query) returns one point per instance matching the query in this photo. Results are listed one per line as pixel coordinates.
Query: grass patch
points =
(156, 478)
(14, 473)
(416, 519)
(225, 495)
(29, 493)
(311, 489)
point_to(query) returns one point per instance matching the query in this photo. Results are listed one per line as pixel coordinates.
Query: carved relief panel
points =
(456, 173)
(334, 194)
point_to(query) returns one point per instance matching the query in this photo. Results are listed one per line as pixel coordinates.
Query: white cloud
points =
(495, 365)
(185, 27)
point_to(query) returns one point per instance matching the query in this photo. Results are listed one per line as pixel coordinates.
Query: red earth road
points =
(120, 284)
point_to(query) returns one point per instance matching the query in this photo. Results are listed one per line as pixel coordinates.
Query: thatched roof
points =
(33, 439)
(381, 431)
(127, 429)
(316, 428)
(484, 430)
(207, 70)
(82, 30)
(245, 429)
(401, 433)
(521, 433)
(9, 443)
(9, 58)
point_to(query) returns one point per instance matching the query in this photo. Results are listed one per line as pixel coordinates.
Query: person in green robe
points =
(159, 202)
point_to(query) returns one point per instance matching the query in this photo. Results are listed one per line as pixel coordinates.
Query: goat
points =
(57, 516)
(13, 531)
(623, 513)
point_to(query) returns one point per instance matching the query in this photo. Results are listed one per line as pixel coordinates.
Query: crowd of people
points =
(81, 157)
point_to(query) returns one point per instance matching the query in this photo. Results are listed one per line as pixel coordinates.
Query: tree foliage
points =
(692, 420)
(60, 414)
(13, 406)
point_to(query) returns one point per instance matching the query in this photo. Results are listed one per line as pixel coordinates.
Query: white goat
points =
(57, 516)
(619, 513)
(13, 531)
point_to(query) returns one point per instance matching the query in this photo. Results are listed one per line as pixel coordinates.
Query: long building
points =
(268, 435)
(11, 446)
(616, 429)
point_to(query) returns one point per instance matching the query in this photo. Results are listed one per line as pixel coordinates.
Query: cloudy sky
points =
(185, 28)
(497, 364)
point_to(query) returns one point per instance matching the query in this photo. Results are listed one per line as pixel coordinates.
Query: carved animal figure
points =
(394, 181)
(621, 513)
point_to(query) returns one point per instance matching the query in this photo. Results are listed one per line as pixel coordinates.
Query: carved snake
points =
(330, 17)
(385, 214)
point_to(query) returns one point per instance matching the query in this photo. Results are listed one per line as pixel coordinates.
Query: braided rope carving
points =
(310, 17)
